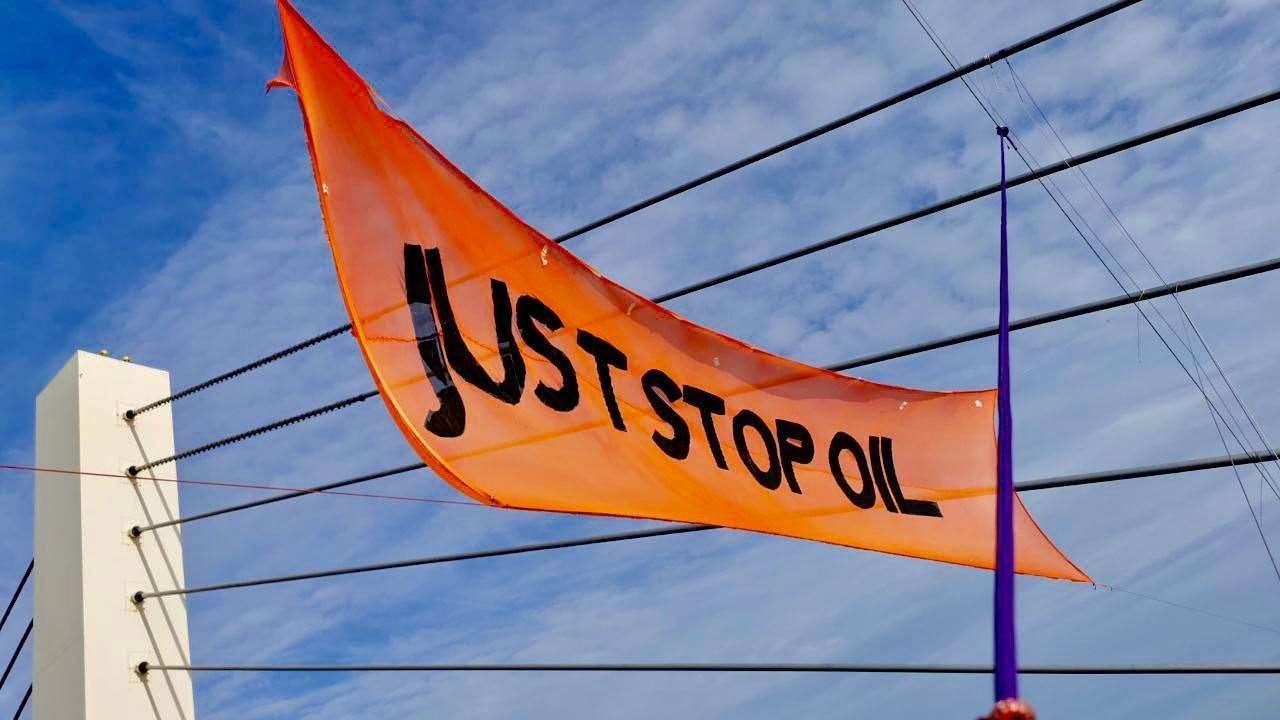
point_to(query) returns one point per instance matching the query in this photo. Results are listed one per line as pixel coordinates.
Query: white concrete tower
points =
(89, 636)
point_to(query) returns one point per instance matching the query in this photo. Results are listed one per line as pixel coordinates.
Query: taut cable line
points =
(1116, 301)
(145, 667)
(133, 470)
(955, 201)
(137, 530)
(955, 73)
(963, 198)
(23, 705)
(328, 334)
(1206, 463)
(1131, 473)
(997, 119)
(1030, 321)
(958, 72)
(16, 652)
(17, 592)
(290, 491)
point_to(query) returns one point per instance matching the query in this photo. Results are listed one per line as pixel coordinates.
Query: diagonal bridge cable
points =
(136, 530)
(963, 198)
(17, 592)
(1078, 480)
(309, 342)
(1197, 380)
(1031, 321)
(23, 705)
(16, 652)
(955, 201)
(947, 77)
(133, 470)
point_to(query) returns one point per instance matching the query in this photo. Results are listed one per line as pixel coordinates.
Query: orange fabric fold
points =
(526, 379)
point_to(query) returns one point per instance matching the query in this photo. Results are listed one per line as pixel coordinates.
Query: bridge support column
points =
(89, 635)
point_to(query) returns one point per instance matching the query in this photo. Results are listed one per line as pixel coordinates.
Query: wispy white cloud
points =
(568, 111)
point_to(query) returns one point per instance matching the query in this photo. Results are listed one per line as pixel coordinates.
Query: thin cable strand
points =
(292, 491)
(1029, 486)
(1190, 608)
(16, 652)
(269, 427)
(144, 668)
(1023, 323)
(13, 600)
(998, 120)
(137, 530)
(976, 194)
(1124, 229)
(1143, 471)
(23, 705)
(956, 72)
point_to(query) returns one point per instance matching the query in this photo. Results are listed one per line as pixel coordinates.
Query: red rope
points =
(248, 486)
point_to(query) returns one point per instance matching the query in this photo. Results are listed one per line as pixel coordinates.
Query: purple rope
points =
(1006, 647)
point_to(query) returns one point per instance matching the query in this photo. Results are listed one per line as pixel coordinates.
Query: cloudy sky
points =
(158, 204)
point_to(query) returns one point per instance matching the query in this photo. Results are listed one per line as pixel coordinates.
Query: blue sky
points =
(158, 204)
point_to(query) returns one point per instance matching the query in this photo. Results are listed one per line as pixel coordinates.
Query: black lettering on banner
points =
(455, 347)
(771, 477)
(450, 419)
(877, 469)
(708, 406)
(795, 445)
(606, 356)
(530, 311)
(927, 508)
(842, 442)
(662, 391)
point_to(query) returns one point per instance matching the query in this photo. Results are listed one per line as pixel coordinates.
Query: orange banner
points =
(528, 380)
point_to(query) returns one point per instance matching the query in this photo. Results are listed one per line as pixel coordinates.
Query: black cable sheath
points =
(137, 530)
(1007, 52)
(1027, 486)
(135, 469)
(1043, 171)
(1116, 301)
(438, 559)
(23, 705)
(144, 668)
(1145, 471)
(326, 335)
(17, 592)
(16, 652)
(1194, 283)
(852, 117)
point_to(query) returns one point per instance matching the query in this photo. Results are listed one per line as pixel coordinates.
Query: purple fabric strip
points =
(1006, 647)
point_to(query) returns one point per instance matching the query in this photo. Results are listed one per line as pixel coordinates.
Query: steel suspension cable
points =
(133, 470)
(1027, 486)
(997, 119)
(16, 651)
(938, 343)
(963, 198)
(940, 80)
(23, 705)
(17, 592)
(1198, 380)
(955, 73)
(1032, 175)
(949, 341)
(1022, 87)
(309, 342)
(146, 667)
(1116, 301)
(137, 530)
